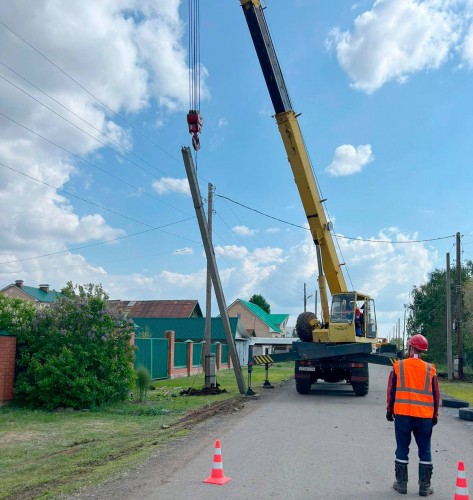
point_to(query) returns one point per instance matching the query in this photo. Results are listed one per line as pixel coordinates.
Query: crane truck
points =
(338, 346)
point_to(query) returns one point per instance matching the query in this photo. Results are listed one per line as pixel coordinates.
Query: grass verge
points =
(47, 454)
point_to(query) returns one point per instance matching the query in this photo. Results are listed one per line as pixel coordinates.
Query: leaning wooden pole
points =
(204, 231)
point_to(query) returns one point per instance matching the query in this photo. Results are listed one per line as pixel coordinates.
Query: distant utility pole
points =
(404, 329)
(458, 309)
(306, 297)
(449, 322)
(209, 253)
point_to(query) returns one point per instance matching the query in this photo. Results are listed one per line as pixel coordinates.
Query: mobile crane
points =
(338, 346)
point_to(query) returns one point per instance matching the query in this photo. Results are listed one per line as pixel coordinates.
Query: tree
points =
(427, 312)
(76, 353)
(260, 301)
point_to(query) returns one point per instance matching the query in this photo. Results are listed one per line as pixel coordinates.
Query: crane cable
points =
(194, 119)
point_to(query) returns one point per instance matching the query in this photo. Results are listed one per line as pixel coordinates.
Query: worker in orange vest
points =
(412, 403)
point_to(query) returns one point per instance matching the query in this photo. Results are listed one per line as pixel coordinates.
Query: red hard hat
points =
(419, 342)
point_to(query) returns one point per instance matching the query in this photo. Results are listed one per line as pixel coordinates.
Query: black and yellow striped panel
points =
(261, 360)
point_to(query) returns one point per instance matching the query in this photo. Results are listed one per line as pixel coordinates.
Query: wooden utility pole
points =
(449, 322)
(204, 231)
(209, 358)
(306, 297)
(458, 309)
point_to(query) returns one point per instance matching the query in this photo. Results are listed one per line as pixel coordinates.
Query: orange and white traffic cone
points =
(461, 491)
(217, 476)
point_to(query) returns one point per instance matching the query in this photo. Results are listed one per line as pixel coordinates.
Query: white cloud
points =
(222, 122)
(167, 185)
(244, 231)
(231, 251)
(273, 230)
(349, 160)
(467, 48)
(395, 39)
(129, 54)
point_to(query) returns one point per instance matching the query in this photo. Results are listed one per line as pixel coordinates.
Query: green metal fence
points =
(180, 354)
(224, 353)
(197, 355)
(153, 354)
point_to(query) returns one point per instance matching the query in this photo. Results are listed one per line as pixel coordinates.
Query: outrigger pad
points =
(388, 348)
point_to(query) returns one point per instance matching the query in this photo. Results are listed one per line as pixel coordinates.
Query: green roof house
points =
(257, 322)
(40, 296)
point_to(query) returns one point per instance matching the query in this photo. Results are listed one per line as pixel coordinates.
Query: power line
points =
(90, 135)
(86, 90)
(121, 146)
(158, 228)
(336, 235)
(92, 164)
(76, 196)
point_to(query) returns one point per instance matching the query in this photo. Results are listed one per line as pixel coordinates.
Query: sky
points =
(93, 189)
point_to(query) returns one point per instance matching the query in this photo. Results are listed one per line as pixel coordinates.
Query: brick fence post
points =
(218, 360)
(7, 367)
(190, 355)
(229, 358)
(169, 334)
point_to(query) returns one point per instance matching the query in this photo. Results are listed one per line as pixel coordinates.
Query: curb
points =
(466, 414)
(454, 403)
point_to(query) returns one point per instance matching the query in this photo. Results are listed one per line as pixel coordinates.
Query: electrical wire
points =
(121, 146)
(85, 132)
(158, 228)
(337, 235)
(139, 190)
(87, 91)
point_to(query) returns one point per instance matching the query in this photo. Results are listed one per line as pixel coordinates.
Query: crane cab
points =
(352, 319)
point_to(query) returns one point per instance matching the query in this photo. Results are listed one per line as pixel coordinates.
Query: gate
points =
(153, 354)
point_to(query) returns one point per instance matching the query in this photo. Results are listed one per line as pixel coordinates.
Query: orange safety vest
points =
(414, 395)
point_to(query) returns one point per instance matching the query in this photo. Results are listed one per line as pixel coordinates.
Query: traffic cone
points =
(461, 491)
(217, 476)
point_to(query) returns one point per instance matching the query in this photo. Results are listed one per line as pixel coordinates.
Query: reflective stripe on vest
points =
(417, 401)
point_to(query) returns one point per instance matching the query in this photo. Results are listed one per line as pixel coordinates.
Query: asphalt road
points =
(328, 444)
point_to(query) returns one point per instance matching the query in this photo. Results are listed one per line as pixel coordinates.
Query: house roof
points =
(278, 319)
(37, 293)
(159, 308)
(262, 315)
(189, 328)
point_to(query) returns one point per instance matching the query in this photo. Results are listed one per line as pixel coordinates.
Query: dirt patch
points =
(205, 391)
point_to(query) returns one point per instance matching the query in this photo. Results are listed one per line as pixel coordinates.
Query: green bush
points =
(75, 353)
(142, 381)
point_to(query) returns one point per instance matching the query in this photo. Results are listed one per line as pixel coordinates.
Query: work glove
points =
(390, 416)
(434, 421)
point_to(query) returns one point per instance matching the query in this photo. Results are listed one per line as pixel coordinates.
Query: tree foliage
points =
(75, 353)
(428, 313)
(260, 301)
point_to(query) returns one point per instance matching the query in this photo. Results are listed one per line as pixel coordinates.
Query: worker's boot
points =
(425, 474)
(400, 485)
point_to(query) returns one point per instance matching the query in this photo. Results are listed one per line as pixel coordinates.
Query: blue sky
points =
(94, 97)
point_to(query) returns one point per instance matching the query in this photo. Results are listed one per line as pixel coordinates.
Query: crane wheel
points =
(303, 385)
(304, 326)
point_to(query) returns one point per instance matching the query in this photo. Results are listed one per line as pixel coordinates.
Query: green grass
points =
(458, 390)
(45, 454)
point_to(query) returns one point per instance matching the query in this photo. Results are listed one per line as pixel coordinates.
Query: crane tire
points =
(466, 413)
(360, 388)
(303, 326)
(303, 385)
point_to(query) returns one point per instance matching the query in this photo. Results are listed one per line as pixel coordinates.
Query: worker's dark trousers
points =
(422, 430)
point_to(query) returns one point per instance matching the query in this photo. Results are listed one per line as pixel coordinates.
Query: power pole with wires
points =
(209, 358)
(209, 253)
(458, 309)
(449, 322)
